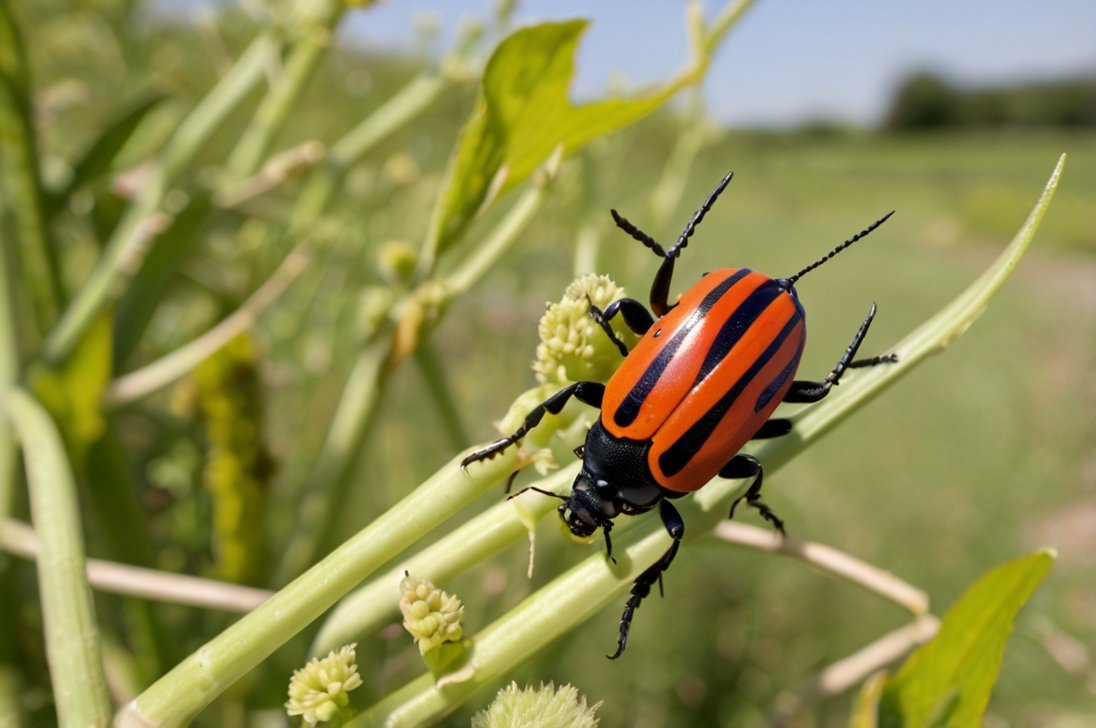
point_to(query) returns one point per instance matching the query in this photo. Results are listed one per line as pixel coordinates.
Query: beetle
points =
(703, 380)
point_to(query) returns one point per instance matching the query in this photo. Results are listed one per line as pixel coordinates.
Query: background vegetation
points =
(981, 455)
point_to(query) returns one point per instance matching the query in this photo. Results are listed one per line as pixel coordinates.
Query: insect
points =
(703, 380)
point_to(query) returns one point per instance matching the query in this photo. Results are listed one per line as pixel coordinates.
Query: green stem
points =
(72, 635)
(499, 241)
(22, 181)
(434, 374)
(127, 247)
(396, 113)
(164, 371)
(323, 492)
(9, 373)
(486, 535)
(178, 696)
(271, 116)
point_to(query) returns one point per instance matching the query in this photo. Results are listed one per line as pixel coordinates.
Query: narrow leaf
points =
(948, 681)
(99, 157)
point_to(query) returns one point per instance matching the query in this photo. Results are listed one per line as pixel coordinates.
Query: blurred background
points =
(952, 114)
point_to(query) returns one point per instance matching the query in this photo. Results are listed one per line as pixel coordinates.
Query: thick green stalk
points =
(72, 634)
(127, 247)
(178, 696)
(486, 535)
(21, 177)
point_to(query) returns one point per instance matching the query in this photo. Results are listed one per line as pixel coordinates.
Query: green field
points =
(980, 456)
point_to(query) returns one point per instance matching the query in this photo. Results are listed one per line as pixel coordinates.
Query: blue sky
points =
(793, 60)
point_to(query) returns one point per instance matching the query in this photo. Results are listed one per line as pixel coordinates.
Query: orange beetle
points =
(703, 380)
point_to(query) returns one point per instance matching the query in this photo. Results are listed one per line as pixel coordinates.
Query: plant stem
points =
(21, 178)
(857, 667)
(397, 112)
(319, 23)
(110, 576)
(160, 373)
(72, 635)
(831, 561)
(498, 242)
(434, 374)
(178, 696)
(319, 499)
(9, 373)
(497, 528)
(127, 247)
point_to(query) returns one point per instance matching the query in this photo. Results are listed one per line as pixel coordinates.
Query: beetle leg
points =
(873, 361)
(776, 427)
(675, 526)
(804, 392)
(588, 392)
(747, 466)
(635, 315)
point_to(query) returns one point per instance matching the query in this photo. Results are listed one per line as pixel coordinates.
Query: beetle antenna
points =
(538, 490)
(791, 281)
(698, 216)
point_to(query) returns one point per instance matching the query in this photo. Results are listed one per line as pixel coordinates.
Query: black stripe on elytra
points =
(677, 456)
(781, 378)
(629, 407)
(737, 325)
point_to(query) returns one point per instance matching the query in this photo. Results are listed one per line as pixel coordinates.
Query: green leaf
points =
(99, 156)
(151, 282)
(523, 114)
(948, 681)
(73, 391)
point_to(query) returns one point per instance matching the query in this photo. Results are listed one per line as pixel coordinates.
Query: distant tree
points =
(924, 101)
(927, 101)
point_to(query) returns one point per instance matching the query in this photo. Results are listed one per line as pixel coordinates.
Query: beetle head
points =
(583, 512)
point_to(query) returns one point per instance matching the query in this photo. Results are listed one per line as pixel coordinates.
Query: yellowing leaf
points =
(73, 392)
(949, 680)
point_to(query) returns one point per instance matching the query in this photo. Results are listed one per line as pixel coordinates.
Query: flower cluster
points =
(573, 347)
(546, 707)
(319, 690)
(429, 614)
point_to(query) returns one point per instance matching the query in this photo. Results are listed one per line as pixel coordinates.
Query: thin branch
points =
(135, 581)
(857, 667)
(164, 371)
(830, 560)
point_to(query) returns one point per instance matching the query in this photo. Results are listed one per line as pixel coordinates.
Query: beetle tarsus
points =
(805, 392)
(747, 466)
(588, 392)
(675, 526)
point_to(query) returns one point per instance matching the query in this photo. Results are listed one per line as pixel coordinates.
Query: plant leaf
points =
(100, 155)
(73, 391)
(522, 115)
(948, 681)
